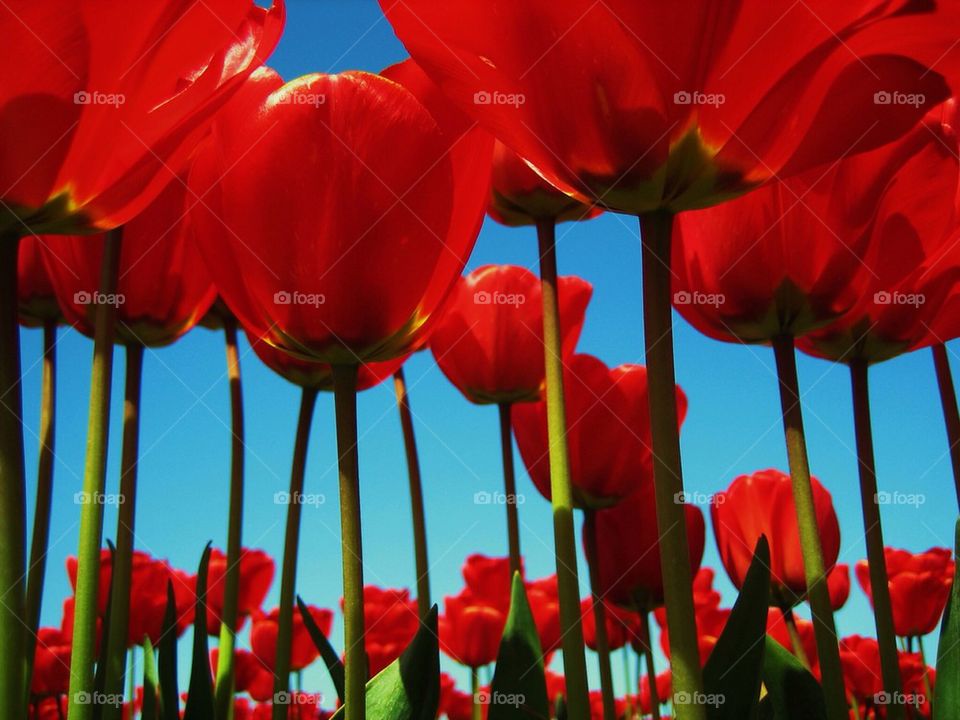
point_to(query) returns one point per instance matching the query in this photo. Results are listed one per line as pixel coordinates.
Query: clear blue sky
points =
(733, 426)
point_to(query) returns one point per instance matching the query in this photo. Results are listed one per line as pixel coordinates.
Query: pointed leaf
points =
(329, 655)
(200, 701)
(169, 691)
(519, 687)
(946, 694)
(793, 693)
(731, 676)
(150, 682)
(408, 688)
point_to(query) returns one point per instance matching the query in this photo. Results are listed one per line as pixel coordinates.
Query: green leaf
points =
(732, 674)
(793, 693)
(519, 687)
(150, 682)
(200, 702)
(169, 692)
(946, 694)
(329, 655)
(408, 688)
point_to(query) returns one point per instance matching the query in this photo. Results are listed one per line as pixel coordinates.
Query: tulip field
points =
(503, 360)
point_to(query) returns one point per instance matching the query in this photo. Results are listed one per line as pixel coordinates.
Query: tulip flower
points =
(762, 504)
(256, 574)
(861, 671)
(544, 598)
(454, 704)
(919, 588)
(608, 436)
(391, 616)
(252, 675)
(646, 124)
(711, 618)
(409, 182)
(51, 665)
(265, 628)
(838, 585)
(470, 629)
(621, 625)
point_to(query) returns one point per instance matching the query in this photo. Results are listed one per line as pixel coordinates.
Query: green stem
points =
(951, 414)
(231, 588)
(510, 489)
(876, 559)
(291, 545)
(625, 655)
(95, 469)
(561, 491)
(651, 669)
(132, 680)
(355, 653)
(416, 496)
(126, 519)
(656, 229)
(44, 501)
(791, 622)
(927, 687)
(477, 709)
(599, 616)
(13, 500)
(828, 651)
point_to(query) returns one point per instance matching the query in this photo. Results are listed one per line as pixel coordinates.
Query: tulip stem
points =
(94, 477)
(791, 622)
(625, 655)
(876, 559)
(476, 708)
(416, 496)
(651, 669)
(828, 652)
(291, 545)
(568, 582)
(599, 615)
(355, 653)
(44, 502)
(231, 590)
(126, 519)
(927, 687)
(951, 414)
(510, 489)
(13, 500)
(656, 230)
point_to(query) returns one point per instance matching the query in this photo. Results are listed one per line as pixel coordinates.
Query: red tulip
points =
(544, 598)
(99, 101)
(470, 629)
(263, 637)
(353, 202)
(838, 585)
(51, 708)
(919, 588)
(148, 595)
(250, 674)
(454, 704)
(664, 685)
(38, 302)
(256, 574)
(710, 617)
(608, 431)
(164, 288)
(319, 376)
(489, 579)
(860, 659)
(556, 687)
(519, 196)
(627, 541)
(778, 630)
(489, 340)
(762, 504)
(668, 105)
(51, 665)
(792, 256)
(596, 706)
(621, 625)
(391, 620)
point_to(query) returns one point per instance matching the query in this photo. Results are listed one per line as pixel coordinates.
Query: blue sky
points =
(733, 425)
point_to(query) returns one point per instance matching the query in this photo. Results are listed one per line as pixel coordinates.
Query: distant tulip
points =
(762, 504)
(392, 621)
(263, 637)
(470, 629)
(256, 575)
(51, 665)
(621, 625)
(838, 585)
